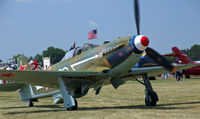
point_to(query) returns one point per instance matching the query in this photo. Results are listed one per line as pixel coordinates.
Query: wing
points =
(50, 78)
(76, 78)
(153, 71)
(10, 87)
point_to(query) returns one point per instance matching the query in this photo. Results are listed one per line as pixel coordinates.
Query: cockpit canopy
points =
(86, 46)
(78, 50)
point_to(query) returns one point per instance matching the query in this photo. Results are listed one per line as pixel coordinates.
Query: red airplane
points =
(180, 56)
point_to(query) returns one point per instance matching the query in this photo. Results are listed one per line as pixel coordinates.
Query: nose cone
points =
(141, 42)
(144, 41)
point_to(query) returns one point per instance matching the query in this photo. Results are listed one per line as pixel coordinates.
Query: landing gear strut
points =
(151, 97)
(70, 103)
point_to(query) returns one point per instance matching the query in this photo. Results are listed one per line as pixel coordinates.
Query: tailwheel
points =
(75, 107)
(151, 98)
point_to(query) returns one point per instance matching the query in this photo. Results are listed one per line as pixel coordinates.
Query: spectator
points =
(9, 67)
(179, 75)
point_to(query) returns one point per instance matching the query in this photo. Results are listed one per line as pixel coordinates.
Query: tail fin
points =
(181, 56)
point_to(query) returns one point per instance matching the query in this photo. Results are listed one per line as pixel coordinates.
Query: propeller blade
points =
(137, 16)
(159, 59)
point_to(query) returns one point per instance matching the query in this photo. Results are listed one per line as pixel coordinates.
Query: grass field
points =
(177, 100)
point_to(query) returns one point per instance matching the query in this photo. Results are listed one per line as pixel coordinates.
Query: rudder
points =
(181, 56)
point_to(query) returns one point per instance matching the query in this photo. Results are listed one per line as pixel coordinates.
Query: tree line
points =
(56, 54)
(193, 53)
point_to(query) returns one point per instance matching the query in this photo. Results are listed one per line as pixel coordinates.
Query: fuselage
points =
(185, 59)
(193, 71)
(100, 58)
(116, 58)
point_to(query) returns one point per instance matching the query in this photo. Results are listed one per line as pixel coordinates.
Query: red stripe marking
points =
(8, 75)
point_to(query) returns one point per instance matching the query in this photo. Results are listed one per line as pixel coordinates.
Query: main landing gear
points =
(31, 104)
(75, 107)
(151, 97)
(70, 103)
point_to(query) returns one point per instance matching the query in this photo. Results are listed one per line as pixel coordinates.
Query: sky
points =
(30, 26)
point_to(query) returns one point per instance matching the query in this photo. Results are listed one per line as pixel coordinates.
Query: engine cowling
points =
(139, 43)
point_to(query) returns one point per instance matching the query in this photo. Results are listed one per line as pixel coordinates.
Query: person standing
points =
(179, 75)
(9, 67)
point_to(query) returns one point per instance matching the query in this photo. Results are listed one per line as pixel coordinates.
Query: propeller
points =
(137, 17)
(161, 60)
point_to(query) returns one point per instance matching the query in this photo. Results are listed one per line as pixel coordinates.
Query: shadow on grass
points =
(159, 106)
(38, 106)
(59, 109)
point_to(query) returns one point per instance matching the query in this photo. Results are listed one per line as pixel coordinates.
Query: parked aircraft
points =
(180, 56)
(94, 66)
(146, 61)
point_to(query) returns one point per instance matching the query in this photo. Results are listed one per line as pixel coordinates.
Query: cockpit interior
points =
(86, 46)
(78, 50)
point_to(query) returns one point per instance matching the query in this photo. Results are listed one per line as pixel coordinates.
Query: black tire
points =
(187, 76)
(151, 99)
(152, 78)
(31, 103)
(75, 107)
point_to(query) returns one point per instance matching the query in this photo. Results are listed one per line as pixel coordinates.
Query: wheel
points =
(152, 78)
(187, 76)
(75, 107)
(151, 99)
(31, 103)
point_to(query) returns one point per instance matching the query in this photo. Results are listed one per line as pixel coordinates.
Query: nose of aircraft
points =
(144, 41)
(139, 43)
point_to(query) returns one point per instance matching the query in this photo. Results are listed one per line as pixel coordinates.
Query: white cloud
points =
(93, 24)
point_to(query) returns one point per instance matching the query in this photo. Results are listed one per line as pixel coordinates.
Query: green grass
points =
(177, 100)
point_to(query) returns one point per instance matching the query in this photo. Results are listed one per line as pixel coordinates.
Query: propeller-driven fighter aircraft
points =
(93, 66)
(180, 56)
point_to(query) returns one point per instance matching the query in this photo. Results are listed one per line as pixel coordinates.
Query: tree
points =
(192, 53)
(170, 59)
(38, 57)
(1, 60)
(30, 58)
(16, 56)
(194, 50)
(55, 54)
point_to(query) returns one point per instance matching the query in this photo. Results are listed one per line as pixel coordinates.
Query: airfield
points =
(177, 100)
